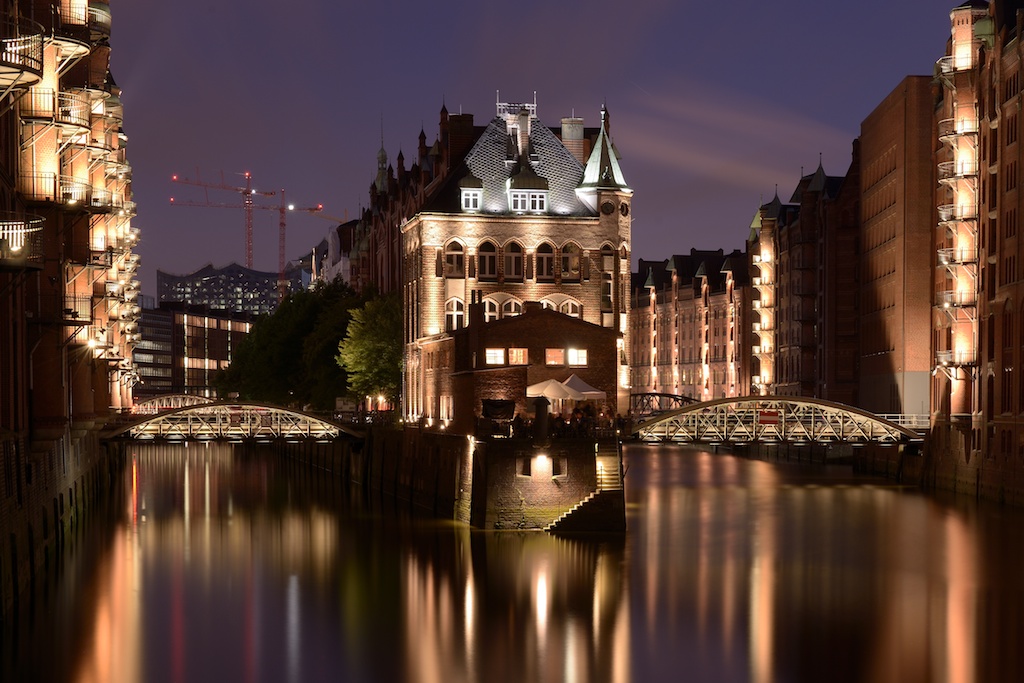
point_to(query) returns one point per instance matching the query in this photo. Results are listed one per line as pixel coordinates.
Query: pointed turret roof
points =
(603, 169)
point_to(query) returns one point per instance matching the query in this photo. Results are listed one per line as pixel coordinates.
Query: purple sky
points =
(710, 107)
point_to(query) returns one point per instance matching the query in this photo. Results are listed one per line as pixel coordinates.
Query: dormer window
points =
(538, 202)
(519, 201)
(471, 199)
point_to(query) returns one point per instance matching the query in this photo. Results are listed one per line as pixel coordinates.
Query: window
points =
(571, 308)
(519, 200)
(471, 200)
(494, 356)
(554, 356)
(488, 261)
(571, 262)
(545, 262)
(454, 260)
(511, 307)
(513, 261)
(538, 202)
(454, 314)
(577, 357)
(518, 357)
(490, 310)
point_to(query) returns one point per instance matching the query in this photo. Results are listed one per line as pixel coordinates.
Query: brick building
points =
(803, 267)
(688, 325)
(520, 214)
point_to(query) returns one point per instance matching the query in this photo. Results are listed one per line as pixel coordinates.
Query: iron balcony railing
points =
(957, 298)
(950, 128)
(957, 212)
(99, 19)
(957, 256)
(21, 52)
(956, 358)
(951, 170)
(21, 240)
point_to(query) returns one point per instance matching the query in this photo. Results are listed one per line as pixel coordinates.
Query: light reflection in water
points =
(732, 570)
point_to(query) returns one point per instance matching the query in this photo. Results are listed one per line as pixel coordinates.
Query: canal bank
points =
(51, 489)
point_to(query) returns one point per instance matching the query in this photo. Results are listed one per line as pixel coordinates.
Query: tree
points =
(371, 351)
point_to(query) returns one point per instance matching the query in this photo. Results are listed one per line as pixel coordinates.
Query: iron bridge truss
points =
(772, 419)
(231, 421)
(645, 405)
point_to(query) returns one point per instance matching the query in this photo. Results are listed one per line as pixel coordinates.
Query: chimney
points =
(524, 131)
(572, 137)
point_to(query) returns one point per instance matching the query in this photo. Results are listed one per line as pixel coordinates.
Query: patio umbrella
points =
(589, 392)
(552, 388)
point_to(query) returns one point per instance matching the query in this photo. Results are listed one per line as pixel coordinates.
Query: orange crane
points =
(247, 203)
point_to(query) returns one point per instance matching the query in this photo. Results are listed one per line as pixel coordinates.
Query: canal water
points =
(222, 564)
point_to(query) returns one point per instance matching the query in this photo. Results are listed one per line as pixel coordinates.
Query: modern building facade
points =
(689, 326)
(183, 347)
(232, 288)
(516, 213)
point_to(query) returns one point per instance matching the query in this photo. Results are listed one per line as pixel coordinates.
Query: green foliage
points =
(288, 357)
(372, 349)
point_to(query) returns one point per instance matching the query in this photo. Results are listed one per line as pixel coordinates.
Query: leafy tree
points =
(287, 357)
(371, 351)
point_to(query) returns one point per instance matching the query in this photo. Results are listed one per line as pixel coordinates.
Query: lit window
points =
(577, 357)
(554, 356)
(488, 261)
(494, 356)
(518, 357)
(471, 200)
(538, 202)
(519, 200)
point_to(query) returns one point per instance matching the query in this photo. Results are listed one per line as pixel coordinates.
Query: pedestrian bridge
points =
(231, 421)
(772, 419)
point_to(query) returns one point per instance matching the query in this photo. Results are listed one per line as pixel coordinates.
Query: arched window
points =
(572, 308)
(511, 307)
(454, 315)
(488, 261)
(513, 262)
(547, 303)
(570, 263)
(454, 260)
(545, 262)
(491, 311)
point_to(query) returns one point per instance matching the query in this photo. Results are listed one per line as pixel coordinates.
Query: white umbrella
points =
(589, 392)
(552, 388)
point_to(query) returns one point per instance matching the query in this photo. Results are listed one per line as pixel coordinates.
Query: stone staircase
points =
(603, 511)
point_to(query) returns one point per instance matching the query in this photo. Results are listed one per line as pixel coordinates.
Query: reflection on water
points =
(231, 565)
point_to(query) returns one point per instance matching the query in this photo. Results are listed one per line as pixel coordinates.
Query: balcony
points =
(99, 20)
(950, 129)
(957, 257)
(956, 299)
(74, 192)
(949, 213)
(69, 110)
(951, 171)
(21, 54)
(952, 358)
(21, 241)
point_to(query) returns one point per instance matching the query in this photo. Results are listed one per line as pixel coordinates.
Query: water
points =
(219, 565)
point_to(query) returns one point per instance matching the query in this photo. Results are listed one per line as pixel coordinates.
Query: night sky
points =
(712, 104)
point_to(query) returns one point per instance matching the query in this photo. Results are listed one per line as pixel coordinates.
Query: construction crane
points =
(247, 202)
(249, 205)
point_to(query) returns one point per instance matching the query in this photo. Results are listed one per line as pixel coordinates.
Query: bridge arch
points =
(157, 404)
(231, 420)
(772, 418)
